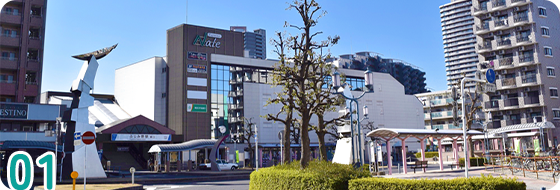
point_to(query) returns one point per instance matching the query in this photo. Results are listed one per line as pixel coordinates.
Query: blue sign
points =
(490, 76)
(77, 136)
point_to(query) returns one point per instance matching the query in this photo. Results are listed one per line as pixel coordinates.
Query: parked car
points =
(223, 165)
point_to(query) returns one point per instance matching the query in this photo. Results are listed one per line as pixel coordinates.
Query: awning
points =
(30, 145)
(190, 145)
(509, 135)
(523, 127)
(392, 133)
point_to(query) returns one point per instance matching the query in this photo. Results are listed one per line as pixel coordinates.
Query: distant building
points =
(255, 42)
(22, 27)
(411, 77)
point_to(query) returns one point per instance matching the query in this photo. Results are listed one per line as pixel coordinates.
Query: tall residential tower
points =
(458, 41)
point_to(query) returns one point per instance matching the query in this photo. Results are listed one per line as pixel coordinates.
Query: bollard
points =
(132, 171)
(399, 168)
(74, 175)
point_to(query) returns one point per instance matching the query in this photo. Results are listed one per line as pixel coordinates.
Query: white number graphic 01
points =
(20, 164)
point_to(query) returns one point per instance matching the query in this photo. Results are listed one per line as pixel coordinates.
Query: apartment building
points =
(458, 41)
(22, 27)
(520, 40)
(254, 42)
(410, 76)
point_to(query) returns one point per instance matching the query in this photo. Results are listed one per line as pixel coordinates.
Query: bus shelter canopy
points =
(387, 133)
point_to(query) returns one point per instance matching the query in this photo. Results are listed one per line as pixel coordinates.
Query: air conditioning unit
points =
(519, 28)
(527, 89)
(488, 15)
(522, 48)
(507, 91)
(524, 68)
(497, 13)
(499, 33)
(502, 51)
(498, 92)
(504, 72)
(516, 9)
(493, 53)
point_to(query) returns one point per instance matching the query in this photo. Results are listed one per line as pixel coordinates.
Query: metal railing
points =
(513, 122)
(521, 18)
(515, 1)
(529, 79)
(504, 42)
(497, 3)
(483, 27)
(523, 59)
(511, 102)
(491, 104)
(481, 8)
(532, 100)
(500, 23)
(523, 165)
(508, 61)
(523, 39)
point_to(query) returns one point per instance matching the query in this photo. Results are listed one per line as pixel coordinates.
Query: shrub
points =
(474, 162)
(427, 154)
(318, 175)
(484, 182)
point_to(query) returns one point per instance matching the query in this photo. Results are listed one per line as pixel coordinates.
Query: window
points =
(36, 11)
(542, 11)
(556, 113)
(553, 92)
(550, 72)
(548, 51)
(545, 31)
(28, 99)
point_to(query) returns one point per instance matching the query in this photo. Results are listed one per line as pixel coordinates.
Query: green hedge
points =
(427, 154)
(484, 182)
(318, 175)
(481, 161)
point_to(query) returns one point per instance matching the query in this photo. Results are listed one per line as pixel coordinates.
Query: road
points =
(217, 185)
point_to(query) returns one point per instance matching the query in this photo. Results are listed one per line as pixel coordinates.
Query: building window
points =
(550, 72)
(553, 92)
(30, 78)
(36, 11)
(33, 55)
(556, 113)
(548, 51)
(545, 31)
(29, 99)
(34, 33)
(542, 11)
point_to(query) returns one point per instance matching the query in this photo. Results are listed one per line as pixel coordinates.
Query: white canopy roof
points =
(523, 127)
(391, 133)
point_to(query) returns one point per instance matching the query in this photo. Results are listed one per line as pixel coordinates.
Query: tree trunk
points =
(305, 149)
(251, 153)
(287, 153)
(321, 137)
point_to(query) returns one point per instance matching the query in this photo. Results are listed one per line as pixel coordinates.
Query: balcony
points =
(491, 104)
(511, 102)
(498, 3)
(10, 18)
(526, 59)
(481, 9)
(508, 82)
(523, 39)
(494, 125)
(530, 119)
(9, 40)
(504, 62)
(437, 127)
(518, 19)
(532, 100)
(528, 79)
(485, 47)
(505, 42)
(482, 28)
(517, 1)
(513, 122)
(8, 63)
(500, 23)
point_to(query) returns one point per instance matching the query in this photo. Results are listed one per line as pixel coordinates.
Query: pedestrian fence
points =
(526, 165)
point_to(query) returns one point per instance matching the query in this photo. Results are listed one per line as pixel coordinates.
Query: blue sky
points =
(400, 29)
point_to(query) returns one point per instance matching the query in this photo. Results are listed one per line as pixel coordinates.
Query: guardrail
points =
(517, 164)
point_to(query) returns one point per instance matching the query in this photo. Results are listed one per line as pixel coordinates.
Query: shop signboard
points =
(140, 137)
(14, 111)
(200, 108)
(196, 55)
(196, 68)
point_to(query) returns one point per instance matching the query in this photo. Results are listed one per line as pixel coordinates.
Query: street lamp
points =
(368, 78)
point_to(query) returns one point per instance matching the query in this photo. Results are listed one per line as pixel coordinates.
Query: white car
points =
(223, 165)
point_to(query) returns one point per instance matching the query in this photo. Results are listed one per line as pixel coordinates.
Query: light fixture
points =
(368, 80)
(366, 113)
(336, 80)
(489, 116)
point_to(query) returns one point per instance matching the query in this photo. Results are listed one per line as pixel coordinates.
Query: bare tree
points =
(300, 71)
(247, 133)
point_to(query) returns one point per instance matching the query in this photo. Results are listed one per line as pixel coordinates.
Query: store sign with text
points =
(208, 40)
(140, 137)
(13, 111)
(196, 68)
(196, 55)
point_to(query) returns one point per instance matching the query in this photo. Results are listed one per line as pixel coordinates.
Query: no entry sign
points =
(88, 137)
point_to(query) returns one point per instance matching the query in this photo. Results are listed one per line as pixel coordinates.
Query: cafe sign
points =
(13, 111)
(208, 40)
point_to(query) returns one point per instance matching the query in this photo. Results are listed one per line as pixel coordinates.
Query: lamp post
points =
(465, 148)
(368, 76)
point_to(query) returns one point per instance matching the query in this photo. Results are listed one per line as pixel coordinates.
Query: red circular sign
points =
(88, 137)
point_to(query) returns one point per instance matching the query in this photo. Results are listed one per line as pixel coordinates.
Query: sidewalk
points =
(533, 184)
